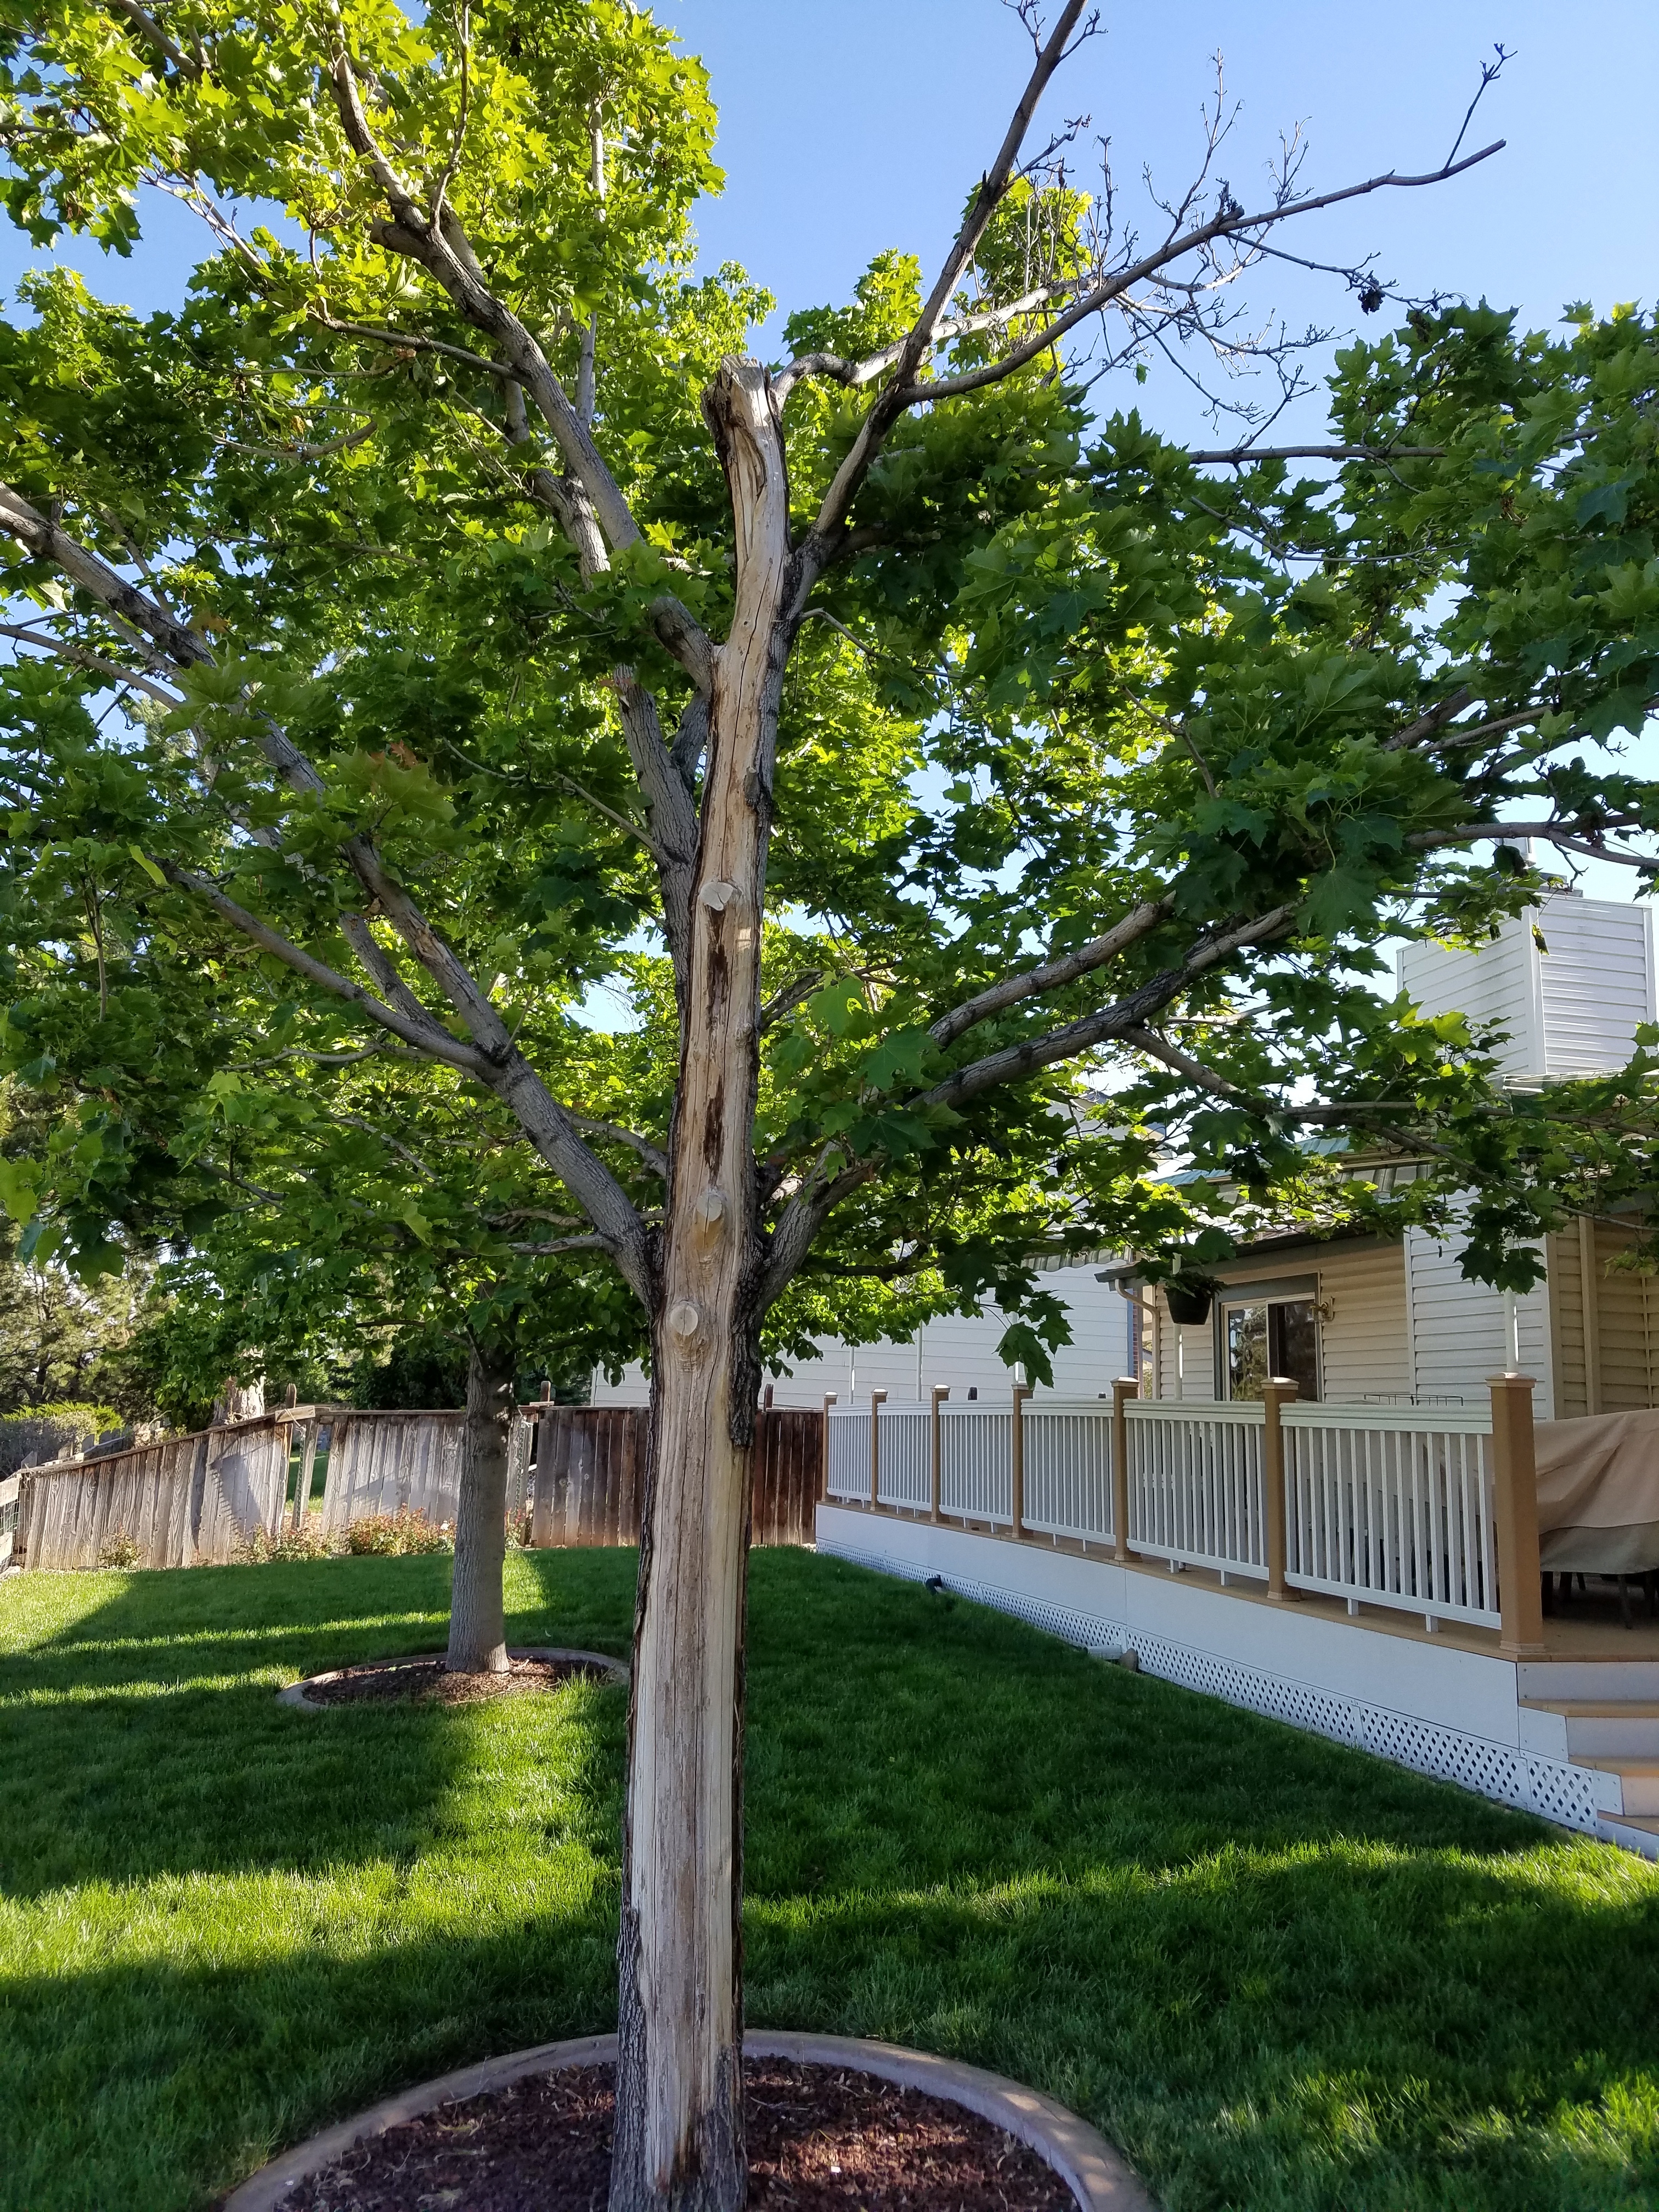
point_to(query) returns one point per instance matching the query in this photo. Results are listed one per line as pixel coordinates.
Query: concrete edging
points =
(616, 1670)
(1097, 2176)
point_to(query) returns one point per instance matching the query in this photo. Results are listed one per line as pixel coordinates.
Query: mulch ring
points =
(821, 2139)
(380, 1681)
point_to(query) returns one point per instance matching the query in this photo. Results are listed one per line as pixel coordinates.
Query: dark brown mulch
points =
(430, 1677)
(821, 2139)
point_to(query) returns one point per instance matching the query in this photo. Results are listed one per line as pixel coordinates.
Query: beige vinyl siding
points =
(1365, 1350)
(1195, 1377)
(1624, 1311)
(1567, 1326)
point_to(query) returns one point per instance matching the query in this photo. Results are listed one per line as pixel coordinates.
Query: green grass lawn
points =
(1279, 1973)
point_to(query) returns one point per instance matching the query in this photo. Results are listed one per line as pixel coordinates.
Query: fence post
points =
(878, 1398)
(1277, 1391)
(940, 1390)
(1123, 1389)
(1022, 1392)
(1515, 1484)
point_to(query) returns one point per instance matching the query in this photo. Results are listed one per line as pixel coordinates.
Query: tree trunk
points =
(238, 1401)
(679, 2144)
(477, 1624)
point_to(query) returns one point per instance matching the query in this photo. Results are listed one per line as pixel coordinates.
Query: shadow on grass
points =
(140, 1735)
(1282, 1974)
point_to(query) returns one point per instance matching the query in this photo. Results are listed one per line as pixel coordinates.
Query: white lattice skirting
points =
(1552, 1788)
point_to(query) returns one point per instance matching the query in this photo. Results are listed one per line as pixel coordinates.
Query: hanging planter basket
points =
(1188, 1298)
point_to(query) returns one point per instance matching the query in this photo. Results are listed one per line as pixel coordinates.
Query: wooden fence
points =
(187, 1499)
(587, 1480)
(197, 1500)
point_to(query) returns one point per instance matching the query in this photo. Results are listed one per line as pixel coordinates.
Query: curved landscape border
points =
(1097, 2175)
(614, 1670)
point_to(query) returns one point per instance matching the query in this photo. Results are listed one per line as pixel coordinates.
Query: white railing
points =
(1395, 1506)
(847, 1457)
(1195, 1473)
(1389, 1506)
(1069, 1470)
(977, 1465)
(907, 1459)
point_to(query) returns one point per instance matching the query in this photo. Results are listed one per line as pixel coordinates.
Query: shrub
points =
(518, 1528)
(308, 1541)
(385, 1534)
(120, 1550)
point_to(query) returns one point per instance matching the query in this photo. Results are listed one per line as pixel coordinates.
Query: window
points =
(1272, 1336)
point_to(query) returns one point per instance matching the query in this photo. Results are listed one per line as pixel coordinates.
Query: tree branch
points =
(441, 248)
(93, 661)
(837, 368)
(156, 37)
(652, 1155)
(431, 1042)
(1241, 456)
(1016, 1061)
(1222, 225)
(496, 1059)
(1549, 833)
(896, 395)
(1052, 975)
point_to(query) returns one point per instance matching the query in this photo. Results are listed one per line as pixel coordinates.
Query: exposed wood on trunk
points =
(679, 2111)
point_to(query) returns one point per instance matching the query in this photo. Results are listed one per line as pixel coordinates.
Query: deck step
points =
(1605, 1729)
(1545, 1681)
(1632, 1833)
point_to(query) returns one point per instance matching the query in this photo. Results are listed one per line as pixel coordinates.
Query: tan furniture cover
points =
(1598, 1494)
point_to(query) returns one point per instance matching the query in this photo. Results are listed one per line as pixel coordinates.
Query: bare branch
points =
(47, 542)
(152, 31)
(1243, 456)
(340, 445)
(1030, 1054)
(412, 342)
(837, 368)
(1052, 975)
(1230, 222)
(1549, 833)
(1426, 725)
(593, 1244)
(384, 1137)
(93, 661)
(652, 1155)
(890, 403)
(791, 996)
(376, 1051)
(810, 1206)
(440, 245)
(493, 1057)
(428, 1040)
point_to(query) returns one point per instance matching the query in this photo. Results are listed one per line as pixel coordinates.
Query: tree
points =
(319, 1223)
(494, 626)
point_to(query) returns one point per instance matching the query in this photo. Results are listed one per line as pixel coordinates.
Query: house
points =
(1358, 1320)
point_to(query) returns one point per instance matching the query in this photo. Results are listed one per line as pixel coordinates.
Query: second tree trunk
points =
(477, 1623)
